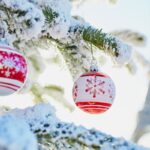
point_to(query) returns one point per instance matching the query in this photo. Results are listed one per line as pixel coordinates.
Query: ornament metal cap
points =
(94, 68)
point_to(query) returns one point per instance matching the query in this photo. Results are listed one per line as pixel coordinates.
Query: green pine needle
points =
(49, 14)
(100, 39)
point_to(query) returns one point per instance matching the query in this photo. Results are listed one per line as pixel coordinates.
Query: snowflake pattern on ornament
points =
(7, 73)
(75, 91)
(95, 86)
(110, 91)
(12, 65)
(8, 62)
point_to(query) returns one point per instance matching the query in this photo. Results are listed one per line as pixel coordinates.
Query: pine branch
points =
(49, 14)
(15, 134)
(70, 38)
(143, 122)
(75, 33)
(101, 40)
(52, 132)
(53, 91)
(130, 36)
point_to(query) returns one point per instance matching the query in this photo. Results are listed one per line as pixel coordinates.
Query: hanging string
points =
(92, 52)
(93, 66)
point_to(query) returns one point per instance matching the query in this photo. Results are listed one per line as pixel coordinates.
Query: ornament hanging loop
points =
(93, 66)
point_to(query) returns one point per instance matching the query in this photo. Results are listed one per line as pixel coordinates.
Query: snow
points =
(33, 15)
(37, 117)
(42, 120)
(124, 51)
(15, 134)
(64, 28)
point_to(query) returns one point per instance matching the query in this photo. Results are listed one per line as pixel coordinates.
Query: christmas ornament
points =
(94, 92)
(13, 70)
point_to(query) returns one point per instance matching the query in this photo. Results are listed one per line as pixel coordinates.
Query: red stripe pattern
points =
(93, 107)
(9, 84)
(7, 87)
(94, 74)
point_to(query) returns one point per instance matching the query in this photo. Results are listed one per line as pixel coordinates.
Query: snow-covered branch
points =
(129, 36)
(27, 23)
(15, 134)
(32, 20)
(51, 131)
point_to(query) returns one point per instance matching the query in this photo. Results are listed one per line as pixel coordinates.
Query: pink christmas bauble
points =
(94, 92)
(13, 70)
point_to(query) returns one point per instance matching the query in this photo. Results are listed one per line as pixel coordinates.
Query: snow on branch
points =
(132, 37)
(53, 133)
(27, 20)
(108, 43)
(15, 134)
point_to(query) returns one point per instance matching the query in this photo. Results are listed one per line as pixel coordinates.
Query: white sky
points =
(120, 120)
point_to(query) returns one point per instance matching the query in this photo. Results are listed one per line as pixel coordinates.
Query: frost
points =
(124, 53)
(42, 121)
(37, 117)
(31, 24)
(15, 134)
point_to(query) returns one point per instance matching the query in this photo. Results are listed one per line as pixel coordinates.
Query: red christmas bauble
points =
(13, 70)
(94, 92)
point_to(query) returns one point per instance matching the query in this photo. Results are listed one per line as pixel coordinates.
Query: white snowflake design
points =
(8, 62)
(7, 73)
(16, 59)
(11, 64)
(110, 91)
(75, 91)
(18, 67)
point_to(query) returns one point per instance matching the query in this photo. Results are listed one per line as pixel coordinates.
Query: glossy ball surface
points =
(94, 92)
(13, 70)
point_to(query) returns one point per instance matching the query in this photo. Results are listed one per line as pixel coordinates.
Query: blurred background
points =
(50, 81)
